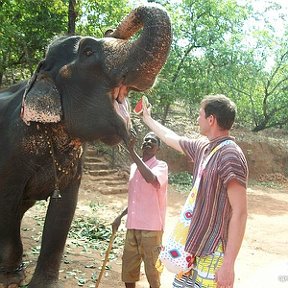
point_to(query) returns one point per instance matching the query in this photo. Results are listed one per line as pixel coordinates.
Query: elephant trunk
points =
(149, 52)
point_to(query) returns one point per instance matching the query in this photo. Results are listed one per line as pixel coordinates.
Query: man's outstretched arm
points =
(165, 134)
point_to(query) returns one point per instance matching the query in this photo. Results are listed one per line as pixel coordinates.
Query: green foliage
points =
(99, 16)
(182, 181)
(212, 52)
(91, 233)
(26, 29)
(89, 229)
(258, 89)
(200, 29)
(267, 184)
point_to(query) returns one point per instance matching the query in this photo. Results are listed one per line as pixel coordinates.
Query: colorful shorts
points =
(141, 246)
(203, 273)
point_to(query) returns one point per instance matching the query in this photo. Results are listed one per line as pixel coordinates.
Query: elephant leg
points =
(26, 205)
(11, 250)
(58, 220)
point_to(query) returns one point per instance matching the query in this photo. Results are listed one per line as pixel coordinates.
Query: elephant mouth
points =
(121, 104)
(122, 110)
(120, 93)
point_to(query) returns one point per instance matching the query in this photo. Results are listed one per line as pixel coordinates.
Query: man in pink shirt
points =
(147, 198)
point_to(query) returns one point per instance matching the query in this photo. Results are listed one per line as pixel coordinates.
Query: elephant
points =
(78, 93)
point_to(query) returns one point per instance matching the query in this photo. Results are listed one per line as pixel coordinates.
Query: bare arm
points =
(145, 171)
(238, 200)
(165, 134)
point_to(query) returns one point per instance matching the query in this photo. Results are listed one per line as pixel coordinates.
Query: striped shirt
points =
(212, 211)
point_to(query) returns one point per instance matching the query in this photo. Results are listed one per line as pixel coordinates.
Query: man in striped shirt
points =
(219, 218)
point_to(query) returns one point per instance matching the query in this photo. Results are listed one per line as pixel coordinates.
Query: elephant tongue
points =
(122, 110)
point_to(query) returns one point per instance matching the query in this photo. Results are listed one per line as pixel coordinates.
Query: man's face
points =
(150, 145)
(203, 122)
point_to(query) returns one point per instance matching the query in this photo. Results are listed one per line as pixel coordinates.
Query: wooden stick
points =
(106, 258)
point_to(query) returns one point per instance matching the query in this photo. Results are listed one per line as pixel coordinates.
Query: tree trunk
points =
(165, 114)
(72, 15)
(261, 126)
(1, 78)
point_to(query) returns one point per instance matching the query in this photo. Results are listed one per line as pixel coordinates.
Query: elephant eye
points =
(88, 51)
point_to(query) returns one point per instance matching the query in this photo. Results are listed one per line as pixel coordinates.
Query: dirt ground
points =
(262, 261)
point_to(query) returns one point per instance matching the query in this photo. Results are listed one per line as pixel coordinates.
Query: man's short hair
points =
(222, 108)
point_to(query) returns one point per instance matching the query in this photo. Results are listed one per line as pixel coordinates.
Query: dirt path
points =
(262, 262)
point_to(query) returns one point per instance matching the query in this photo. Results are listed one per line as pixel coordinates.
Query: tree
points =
(26, 28)
(101, 15)
(256, 78)
(273, 111)
(199, 30)
(210, 52)
(213, 53)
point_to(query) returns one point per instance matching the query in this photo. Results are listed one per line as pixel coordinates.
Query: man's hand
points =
(131, 143)
(116, 223)
(146, 113)
(224, 276)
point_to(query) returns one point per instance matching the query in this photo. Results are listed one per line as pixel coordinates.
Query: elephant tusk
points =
(122, 110)
(120, 93)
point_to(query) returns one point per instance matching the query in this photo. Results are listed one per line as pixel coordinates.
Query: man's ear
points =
(212, 119)
(158, 148)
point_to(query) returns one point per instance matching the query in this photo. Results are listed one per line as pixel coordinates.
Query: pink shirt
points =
(146, 203)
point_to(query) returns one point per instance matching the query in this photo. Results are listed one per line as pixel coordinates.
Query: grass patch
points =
(181, 181)
(267, 184)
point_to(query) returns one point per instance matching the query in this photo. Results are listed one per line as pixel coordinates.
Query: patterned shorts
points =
(203, 273)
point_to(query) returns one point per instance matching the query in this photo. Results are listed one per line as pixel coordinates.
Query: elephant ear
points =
(41, 100)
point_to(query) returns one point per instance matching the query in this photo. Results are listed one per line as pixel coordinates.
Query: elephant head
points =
(83, 82)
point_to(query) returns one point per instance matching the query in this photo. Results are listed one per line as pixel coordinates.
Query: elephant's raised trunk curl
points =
(149, 52)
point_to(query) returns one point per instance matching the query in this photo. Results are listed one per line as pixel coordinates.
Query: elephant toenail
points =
(14, 285)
